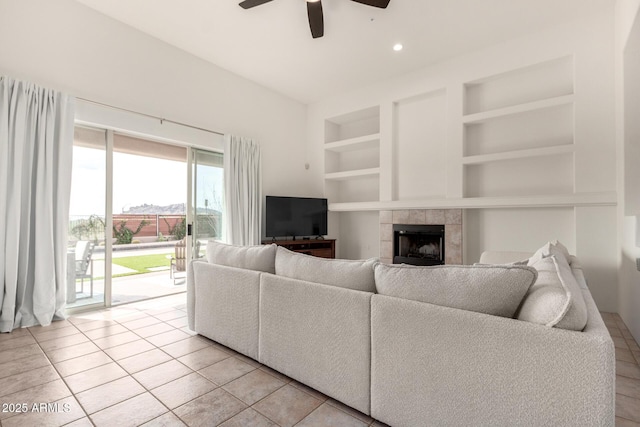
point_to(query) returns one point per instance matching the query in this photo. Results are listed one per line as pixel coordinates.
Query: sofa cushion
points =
(490, 289)
(258, 258)
(555, 299)
(357, 275)
(319, 335)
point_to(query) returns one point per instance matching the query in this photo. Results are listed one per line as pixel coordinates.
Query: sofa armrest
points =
(225, 301)
(191, 295)
(439, 365)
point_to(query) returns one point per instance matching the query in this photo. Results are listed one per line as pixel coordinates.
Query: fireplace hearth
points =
(418, 244)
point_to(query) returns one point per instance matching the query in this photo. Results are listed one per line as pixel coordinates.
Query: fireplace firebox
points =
(418, 244)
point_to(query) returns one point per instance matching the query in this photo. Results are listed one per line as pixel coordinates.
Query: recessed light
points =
(397, 47)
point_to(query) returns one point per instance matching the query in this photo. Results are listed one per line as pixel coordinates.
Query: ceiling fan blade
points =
(316, 20)
(248, 4)
(382, 4)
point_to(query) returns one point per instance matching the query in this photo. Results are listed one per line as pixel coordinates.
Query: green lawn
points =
(142, 263)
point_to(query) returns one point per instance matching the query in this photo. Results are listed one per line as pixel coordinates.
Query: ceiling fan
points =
(314, 11)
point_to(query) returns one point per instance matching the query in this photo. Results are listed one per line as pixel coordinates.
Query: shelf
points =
(354, 174)
(352, 144)
(518, 154)
(569, 200)
(520, 108)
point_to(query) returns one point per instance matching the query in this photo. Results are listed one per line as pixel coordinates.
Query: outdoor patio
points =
(134, 286)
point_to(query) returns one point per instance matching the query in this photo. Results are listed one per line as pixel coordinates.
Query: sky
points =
(136, 180)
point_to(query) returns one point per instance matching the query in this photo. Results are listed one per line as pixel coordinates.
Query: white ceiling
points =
(271, 44)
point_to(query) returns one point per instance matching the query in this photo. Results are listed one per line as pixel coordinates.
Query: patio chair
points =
(179, 260)
(84, 264)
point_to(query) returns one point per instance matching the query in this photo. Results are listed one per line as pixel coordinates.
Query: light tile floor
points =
(140, 365)
(627, 371)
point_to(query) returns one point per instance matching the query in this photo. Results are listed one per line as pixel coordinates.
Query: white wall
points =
(364, 225)
(64, 45)
(588, 231)
(420, 155)
(628, 111)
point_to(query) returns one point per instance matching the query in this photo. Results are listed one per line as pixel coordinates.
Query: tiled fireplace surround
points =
(451, 218)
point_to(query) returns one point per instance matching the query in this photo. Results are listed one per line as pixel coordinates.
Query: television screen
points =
(295, 216)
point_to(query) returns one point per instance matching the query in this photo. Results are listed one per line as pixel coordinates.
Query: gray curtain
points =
(242, 191)
(36, 143)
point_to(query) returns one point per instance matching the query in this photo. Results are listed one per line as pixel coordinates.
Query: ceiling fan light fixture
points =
(314, 11)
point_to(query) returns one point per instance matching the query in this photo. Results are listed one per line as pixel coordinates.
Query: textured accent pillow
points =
(555, 299)
(551, 248)
(563, 250)
(357, 275)
(258, 258)
(490, 289)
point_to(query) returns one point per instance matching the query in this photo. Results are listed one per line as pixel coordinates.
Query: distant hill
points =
(174, 209)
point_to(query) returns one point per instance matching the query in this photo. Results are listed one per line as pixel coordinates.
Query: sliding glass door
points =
(148, 212)
(207, 199)
(129, 216)
(86, 272)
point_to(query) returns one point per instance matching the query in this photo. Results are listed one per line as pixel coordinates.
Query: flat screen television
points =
(295, 216)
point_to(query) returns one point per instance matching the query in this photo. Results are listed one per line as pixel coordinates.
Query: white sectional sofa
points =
(416, 346)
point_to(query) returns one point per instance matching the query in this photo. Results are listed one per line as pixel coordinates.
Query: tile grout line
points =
(63, 379)
(83, 332)
(73, 394)
(146, 390)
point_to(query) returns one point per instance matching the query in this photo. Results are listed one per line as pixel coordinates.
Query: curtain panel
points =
(242, 190)
(36, 143)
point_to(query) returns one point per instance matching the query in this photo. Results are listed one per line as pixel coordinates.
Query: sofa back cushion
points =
(258, 258)
(357, 275)
(490, 289)
(503, 257)
(555, 299)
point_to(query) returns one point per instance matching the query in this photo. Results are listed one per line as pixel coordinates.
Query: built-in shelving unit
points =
(508, 142)
(352, 156)
(521, 120)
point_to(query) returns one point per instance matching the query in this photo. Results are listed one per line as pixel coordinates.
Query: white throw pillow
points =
(555, 299)
(490, 289)
(357, 275)
(258, 258)
(563, 250)
(551, 248)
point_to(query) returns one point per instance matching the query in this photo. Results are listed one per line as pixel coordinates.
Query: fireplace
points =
(418, 244)
(451, 218)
